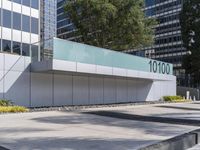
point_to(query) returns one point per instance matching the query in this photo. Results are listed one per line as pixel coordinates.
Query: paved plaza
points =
(113, 128)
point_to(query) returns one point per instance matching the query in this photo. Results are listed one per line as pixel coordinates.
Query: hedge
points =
(12, 109)
(173, 98)
(7, 106)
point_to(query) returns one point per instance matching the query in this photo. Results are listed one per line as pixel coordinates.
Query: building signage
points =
(159, 67)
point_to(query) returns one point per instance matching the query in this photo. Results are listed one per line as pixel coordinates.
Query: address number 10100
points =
(159, 67)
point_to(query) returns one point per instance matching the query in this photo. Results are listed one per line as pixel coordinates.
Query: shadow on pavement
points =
(3, 148)
(145, 118)
(92, 120)
(75, 143)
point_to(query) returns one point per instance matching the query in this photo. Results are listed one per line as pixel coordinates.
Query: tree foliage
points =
(114, 24)
(190, 24)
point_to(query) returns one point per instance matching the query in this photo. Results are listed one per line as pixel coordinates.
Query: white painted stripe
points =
(19, 8)
(17, 35)
(6, 5)
(6, 33)
(0, 32)
(34, 13)
(26, 10)
(26, 37)
(34, 38)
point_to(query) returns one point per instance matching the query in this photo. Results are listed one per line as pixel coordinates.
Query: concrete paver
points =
(55, 130)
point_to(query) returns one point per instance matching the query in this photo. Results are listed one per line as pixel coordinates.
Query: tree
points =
(190, 26)
(114, 24)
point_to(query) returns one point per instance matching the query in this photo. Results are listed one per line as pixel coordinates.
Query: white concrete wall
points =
(21, 86)
(63, 92)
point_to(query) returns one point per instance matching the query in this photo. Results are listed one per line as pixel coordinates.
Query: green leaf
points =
(113, 24)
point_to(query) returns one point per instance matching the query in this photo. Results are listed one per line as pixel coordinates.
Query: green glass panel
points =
(72, 51)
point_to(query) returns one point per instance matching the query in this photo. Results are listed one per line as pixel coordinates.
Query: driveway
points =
(91, 130)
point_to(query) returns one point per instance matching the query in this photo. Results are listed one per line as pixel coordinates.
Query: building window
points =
(35, 4)
(7, 18)
(26, 2)
(17, 1)
(16, 48)
(34, 52)
(6, 45)
(16, 21)
(149, 3)
(25, 23)
(34, 25)
(25, 49)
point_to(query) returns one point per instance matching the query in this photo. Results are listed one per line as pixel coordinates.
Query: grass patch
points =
(13, 109)
(175, 99)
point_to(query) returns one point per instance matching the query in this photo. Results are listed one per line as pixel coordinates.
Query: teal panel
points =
(72, 51)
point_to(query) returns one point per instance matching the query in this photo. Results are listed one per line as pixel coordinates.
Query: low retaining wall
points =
(23, 87)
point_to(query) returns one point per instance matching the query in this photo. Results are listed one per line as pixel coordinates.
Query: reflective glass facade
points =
(168, 45)
(48, 25)
(65, 28)
(48, 21)
(19, 26)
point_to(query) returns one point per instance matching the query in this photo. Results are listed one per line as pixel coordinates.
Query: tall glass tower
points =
(65, 27)
(168, 45)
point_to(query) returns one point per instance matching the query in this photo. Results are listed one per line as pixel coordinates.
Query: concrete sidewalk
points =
(197, 147)
(80, 131)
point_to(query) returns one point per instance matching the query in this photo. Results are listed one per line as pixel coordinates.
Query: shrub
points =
(4, 102)
(174, 99)
(12, 109)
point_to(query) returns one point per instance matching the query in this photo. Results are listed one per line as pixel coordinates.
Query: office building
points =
(70, 73)
(168, 45)
(19, 26)
(65, 27)
(48, 24)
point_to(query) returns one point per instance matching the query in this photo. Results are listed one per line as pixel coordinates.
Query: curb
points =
(182, 142)
(81, 107)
